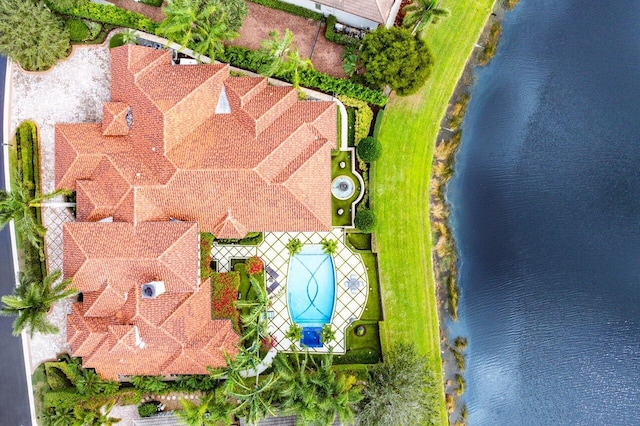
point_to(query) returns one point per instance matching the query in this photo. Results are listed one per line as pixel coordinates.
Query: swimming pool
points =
(311, 287)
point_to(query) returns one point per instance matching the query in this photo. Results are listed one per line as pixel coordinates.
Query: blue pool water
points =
(311, 287)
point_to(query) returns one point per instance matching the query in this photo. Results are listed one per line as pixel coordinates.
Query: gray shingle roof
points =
(375, 10)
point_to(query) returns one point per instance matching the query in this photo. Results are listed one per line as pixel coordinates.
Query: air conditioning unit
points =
(153, 289)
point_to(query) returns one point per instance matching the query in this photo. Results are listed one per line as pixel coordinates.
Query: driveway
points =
(14, 394)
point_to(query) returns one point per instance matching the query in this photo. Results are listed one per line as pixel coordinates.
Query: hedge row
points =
(290, 8)
(364, 116)
(28, 165)
(106, 14)
(331, 35)
(248, 59)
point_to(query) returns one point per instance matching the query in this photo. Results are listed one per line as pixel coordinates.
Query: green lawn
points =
(400, 186)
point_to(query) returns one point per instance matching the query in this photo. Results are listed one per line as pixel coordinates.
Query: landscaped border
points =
(400, 189)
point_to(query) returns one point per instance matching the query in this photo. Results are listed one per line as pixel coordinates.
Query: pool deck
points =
(349, 267)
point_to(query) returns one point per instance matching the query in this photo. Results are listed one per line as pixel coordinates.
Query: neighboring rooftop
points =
(375, 10)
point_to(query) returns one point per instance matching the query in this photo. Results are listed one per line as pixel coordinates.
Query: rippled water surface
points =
(547, 217)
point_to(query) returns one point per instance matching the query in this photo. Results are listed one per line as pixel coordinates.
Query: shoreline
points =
(445, 253)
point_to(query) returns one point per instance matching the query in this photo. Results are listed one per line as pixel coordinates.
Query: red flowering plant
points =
(225, 294)
(254, 265)
(269, 342)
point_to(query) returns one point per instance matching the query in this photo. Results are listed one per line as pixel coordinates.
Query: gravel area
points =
(73, 91)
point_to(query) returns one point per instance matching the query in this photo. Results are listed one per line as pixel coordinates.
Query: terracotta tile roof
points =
(114, 119)
(222, 154)
(177, 139)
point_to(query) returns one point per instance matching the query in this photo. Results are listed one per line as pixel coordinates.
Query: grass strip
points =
(401, 190)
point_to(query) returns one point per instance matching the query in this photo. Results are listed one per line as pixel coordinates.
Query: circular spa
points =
(343, 187)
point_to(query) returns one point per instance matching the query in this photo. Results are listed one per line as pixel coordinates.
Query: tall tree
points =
(280, 56)
(31, 35)
(313, 391)
(18, 205)
(400, 391)
(394, 57)
(419, 14)
(203, 25)
(32, 300)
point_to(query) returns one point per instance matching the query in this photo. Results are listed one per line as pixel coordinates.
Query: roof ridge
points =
(168, 249)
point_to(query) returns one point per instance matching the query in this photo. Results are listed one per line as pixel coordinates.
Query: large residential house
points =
(356, 13)
(182, 149)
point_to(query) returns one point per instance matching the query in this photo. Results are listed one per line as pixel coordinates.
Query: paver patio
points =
(260, 20)
(350, 299)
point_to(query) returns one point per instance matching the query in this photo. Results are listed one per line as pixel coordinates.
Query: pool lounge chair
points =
(272, 273)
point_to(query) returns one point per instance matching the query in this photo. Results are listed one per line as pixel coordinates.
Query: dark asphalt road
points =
(14, 397)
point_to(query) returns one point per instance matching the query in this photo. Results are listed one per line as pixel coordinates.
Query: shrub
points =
(206, 243)
(369, 149)
(365, 220)
(155, 3)
(224, 290)
(78, 30)
(196, 382)
(149, 383)
(364, 116)
(244, 58)
(106, 14)
(394, 57)
(116, 41)
(290, 8)
(147, 409)
(56, 379)
(67, 398)
(254, 265)
(331, 35)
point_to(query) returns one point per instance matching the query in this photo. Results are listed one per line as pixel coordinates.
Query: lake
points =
(546, 212)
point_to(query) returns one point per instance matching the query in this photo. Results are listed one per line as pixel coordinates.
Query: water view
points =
(546, 210)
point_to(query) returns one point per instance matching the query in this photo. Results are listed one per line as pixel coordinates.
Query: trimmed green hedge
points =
(78, 30)
(290, 8)
(331, 35)
(369, 149)
(28, 164)
(106, 14)
(147, 409)
(248, 59)
(155, 3)
(365, 220)
(364, 117)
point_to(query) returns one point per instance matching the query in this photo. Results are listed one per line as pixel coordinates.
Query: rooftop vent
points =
(129, 117)
(153, 289)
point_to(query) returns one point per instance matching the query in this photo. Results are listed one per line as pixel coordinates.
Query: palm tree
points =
(31, 301)
(280, 56)
(130, 36)
(213, 410)
(255, 401)
(294, 246)
(315, 393)
(18, 205)
(329, 246)
(327, 335)
(295, 333)
(59, 416)
(419, 13)
(86, 417)
(203, 25)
